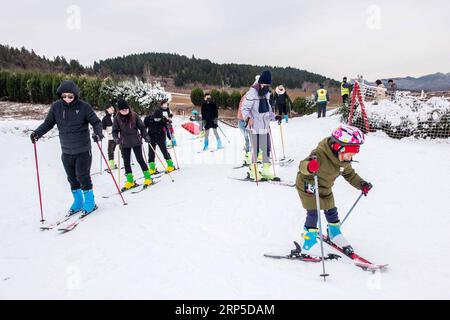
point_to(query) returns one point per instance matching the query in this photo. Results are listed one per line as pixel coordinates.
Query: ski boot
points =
(170, 166)
(147, 178)
(336, 236)
(309, 238)
(260, 157)
(152, 167)
(252, 175)
(266, 173)
(130, 182)
(78, 202)
(174, 142)
(248, 159)
(219, 144)
(89, 204)
(205, 145)
(286, 118)
(112, 164)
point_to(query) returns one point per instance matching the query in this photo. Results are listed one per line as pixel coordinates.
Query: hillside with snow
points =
(204, 235)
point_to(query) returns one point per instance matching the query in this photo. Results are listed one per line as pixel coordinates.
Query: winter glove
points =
(147, 139)
(171, 115)
(365, 187)
(34, 137)
(278, 117)
(97, 137)
(313, 165)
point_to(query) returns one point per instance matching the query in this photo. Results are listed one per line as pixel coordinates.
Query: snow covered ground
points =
(204, 236)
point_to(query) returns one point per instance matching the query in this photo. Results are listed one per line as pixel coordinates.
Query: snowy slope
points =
(204, 236)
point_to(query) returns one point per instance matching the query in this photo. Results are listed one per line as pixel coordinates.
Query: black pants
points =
(282, 108)
(78, 170)
(321, 109)
(162, 146)
(345, 98)
(126, 154)
(111, 149)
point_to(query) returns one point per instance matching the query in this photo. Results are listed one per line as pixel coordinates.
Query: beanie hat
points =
(122, 104)
(265, 78)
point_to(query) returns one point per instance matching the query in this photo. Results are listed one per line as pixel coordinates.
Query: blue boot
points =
(78, 202)
(89, 203)
(205, 145)
(309, 239)
(286, 118)
(219, 144)
(336, 236)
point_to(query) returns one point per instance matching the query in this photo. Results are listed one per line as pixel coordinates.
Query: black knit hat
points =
(265, 78)
(122, 104)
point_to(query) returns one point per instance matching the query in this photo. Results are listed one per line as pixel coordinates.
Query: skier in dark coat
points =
(128, 131)
(72, 117)
(281, 99)
(157, 126)
(210, 117)
(107, 123)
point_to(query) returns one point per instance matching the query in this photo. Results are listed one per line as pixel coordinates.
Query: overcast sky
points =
(378, 38)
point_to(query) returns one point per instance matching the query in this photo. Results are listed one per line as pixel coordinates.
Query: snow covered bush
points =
(142, 97)
(304, 106)
(405, 117)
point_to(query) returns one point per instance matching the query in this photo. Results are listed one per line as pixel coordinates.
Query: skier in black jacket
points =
(210, 116)
(128, 131)
(107, 123)
(72, 117)
(157, 126)
(281, 99)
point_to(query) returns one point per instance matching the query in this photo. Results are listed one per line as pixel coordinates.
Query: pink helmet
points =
(346, 135)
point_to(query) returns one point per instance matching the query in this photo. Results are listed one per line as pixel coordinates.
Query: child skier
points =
(156, 125)
(210, 116)
(107, 123)
(131, 129)
(169, 128)
(331, 158)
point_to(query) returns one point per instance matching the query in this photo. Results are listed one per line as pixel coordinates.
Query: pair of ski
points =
(136, 185)
(64, 227)
(276, 180)
(281, 163)
(296, 254)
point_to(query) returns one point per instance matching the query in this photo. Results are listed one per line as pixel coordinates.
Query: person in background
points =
(107, 123)
(321, 98)
(346, 88)
(210, 117)
(281, 99)
(380, 93)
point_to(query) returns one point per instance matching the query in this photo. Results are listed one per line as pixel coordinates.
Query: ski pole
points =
(223, 133)
(282, 141)
(324, 274)
(38, 182)
(272, 151)
(110, 171)
(351, 209)
(101, 164)
(162, 163)
(176, 159)
(118, 160)
(143, 153)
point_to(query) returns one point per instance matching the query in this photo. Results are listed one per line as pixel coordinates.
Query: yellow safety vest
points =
(321, 95)
(344, 90)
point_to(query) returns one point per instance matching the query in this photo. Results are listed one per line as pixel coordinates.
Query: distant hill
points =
(433, 82)
(183, 70)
